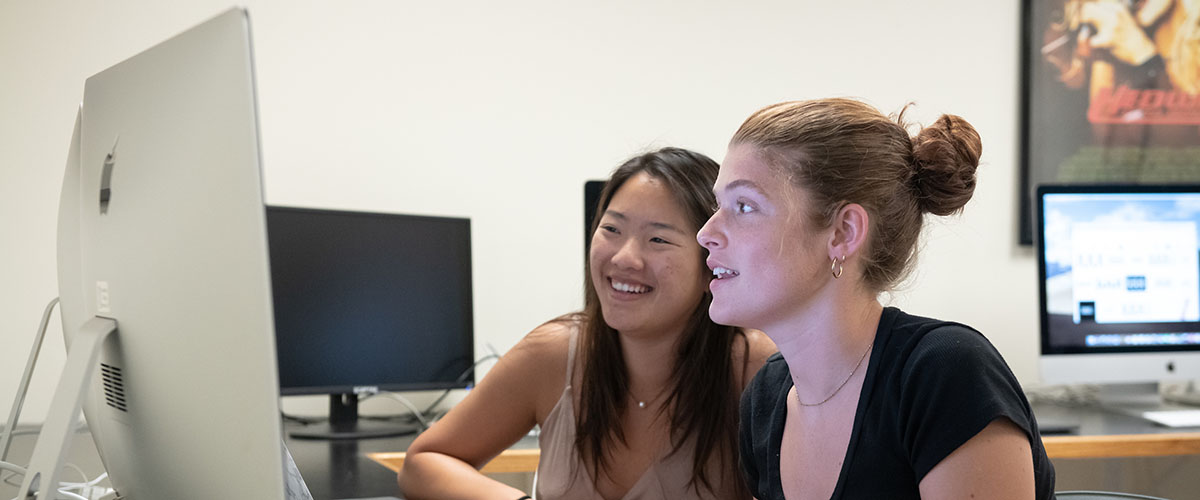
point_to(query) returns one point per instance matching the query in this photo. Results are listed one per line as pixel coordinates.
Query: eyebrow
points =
(746, 183)
(654, 224)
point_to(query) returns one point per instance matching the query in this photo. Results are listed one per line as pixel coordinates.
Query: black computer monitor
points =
(591, 201)
(368, 302)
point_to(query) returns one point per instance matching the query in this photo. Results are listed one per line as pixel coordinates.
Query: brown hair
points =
(843, 151)
(702, 404)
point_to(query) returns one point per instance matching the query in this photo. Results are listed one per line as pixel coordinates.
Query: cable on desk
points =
(413, 408)
(466, 373)
(422, 416)
(64, 487)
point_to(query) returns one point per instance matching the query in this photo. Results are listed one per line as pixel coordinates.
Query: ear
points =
(850, 226)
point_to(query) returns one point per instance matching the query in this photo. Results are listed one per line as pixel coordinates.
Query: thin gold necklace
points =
(841, 385)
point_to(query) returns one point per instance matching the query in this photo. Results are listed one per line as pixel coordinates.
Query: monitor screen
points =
(591, 202)
(370, 301)
(1119, 271)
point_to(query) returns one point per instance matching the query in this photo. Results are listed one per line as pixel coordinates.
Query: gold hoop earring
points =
(836, 267)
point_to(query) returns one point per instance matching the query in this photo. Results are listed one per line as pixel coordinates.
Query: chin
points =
(617, 322)
(721, 314)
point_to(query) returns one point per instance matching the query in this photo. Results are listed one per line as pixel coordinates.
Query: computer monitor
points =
(366, 302)
(163, 278)
(1119, 287)
(591, 202)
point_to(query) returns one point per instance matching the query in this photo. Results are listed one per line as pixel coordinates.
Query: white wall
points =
(499, 111)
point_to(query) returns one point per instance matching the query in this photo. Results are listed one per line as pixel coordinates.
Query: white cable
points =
(76, 469)
(462, 377)
(73, 496)
(404, 401)
(12, 468)
(93, 482)
(64, 487)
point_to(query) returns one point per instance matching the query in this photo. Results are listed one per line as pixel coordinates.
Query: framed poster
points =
(1110, 93)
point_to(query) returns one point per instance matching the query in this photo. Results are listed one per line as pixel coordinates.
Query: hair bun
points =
(945, 157)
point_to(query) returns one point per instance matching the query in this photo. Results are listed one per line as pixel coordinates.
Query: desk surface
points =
(1103, 434)
(367, 468)
(1099, 434)
(342, 469)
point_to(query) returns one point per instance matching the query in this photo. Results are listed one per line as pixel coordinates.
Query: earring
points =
(835, 267)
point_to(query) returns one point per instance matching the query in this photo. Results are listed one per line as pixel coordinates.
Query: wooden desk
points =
(510, 460)
(1101, 435)
(1123, 445)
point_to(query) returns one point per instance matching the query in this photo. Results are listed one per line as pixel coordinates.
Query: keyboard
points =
(1174, 418)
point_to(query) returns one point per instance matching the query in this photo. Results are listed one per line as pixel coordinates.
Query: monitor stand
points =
(345, 424)
(54, 440)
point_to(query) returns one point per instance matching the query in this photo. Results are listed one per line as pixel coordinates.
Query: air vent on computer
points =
(114, 386)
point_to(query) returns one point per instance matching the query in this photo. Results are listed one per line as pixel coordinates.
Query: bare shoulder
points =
(759, 348)
(510, 399)
(542, 357)
(548, 343)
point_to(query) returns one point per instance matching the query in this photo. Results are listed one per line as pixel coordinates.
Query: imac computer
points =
(368, 302)
(1119, 287)
(163, 279)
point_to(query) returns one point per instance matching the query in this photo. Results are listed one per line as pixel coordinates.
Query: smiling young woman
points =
(636, 395)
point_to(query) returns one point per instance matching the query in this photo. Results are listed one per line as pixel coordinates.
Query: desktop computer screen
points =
(1119, 283)
(163, 278)
(368, 302)
(591, 202)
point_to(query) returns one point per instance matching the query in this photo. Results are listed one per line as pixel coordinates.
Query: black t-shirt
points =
(930, 387)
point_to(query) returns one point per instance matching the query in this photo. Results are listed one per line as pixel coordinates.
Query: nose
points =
(628, 256)
(709, 236)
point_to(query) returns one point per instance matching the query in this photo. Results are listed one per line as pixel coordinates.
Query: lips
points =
(720, 272)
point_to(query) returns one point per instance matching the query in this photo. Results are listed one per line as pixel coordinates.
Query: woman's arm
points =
(443, 462)
(996, 463)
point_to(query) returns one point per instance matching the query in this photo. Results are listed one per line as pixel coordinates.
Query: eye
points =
(659, 240)
(744, 208)
(609, 228)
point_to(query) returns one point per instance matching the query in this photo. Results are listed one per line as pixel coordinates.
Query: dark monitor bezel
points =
(1040, 245)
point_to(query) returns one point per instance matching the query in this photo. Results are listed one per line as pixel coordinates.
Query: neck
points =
(824, 345)
(650, 362)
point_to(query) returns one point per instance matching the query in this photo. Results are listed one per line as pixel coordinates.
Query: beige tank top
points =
(561, 475)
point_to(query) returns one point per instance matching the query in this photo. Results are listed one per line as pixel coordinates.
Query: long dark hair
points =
(702, 404)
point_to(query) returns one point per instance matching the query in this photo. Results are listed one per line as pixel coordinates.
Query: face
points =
(646, 266)
(768, 261)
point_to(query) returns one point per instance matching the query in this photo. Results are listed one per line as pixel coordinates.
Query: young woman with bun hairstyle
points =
(819, 207)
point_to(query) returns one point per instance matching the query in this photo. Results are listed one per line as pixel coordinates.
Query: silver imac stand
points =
(41, 478)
